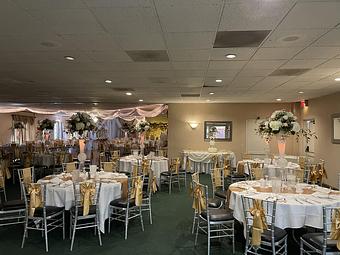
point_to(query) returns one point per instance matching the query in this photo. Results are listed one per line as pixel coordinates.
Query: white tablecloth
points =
(294, 212)
(60, 196)
(271, 170)
(158, 165)
(201, 161)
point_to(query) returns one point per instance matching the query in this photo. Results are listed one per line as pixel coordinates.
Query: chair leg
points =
(301, 247)
(170, 185)
(45, 232)
(193, 223)
(141, 218)
(73, 233)
(71, 225)
(126, 223)
(99, 234)
(25, 233)
(179, 183)
(208, 229)
(63, 225)
(233, 237)
(198, 226)
(150, 212)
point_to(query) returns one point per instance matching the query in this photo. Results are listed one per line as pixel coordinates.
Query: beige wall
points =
(181, 136)
(321, 109)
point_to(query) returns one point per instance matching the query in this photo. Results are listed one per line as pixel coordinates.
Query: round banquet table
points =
(158, 165)
(60, 191)
(293, 210)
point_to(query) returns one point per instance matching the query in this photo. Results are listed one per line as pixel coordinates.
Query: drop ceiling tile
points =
(233, 39)
(237, 64)
(50, 4)
(252, 71)
(271, 82)
(293, 37)
(241, 82)
(300, 63)
(102, 56)
(253, 15)
(189, 55)
(128, 20)
(222, 73)
(140, 41)
(189, 73)
(197, 40)
(187, 16)
(276, 53)
(98, 41)
(333, 63)
(293, 85)
(303, 15)
(241, 53)
(264, 64)
(193, 65)
(118, 3)
(332, 38)
(318, 53)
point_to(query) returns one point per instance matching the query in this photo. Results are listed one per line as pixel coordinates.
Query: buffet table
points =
(294, 210)
(202, 161)
(60, 191)
(158, 164)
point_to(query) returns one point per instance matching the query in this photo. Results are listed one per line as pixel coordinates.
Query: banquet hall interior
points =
(166, 127)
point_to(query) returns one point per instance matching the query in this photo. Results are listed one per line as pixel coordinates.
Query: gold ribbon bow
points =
(199, 200)
(335, 229)
(27, 176)
(226, 168)
(314, 175)
(321, 171)
(154, 185)
(87, 191)
(145, 166)
(217, 176)
(137, 192)
(34, 190)
(259, 222)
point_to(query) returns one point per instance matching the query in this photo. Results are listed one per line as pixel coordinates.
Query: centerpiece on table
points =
(212, 136)
(19, 126)
(141, 127)
(281, 124)
(79, 125)
(45, 126)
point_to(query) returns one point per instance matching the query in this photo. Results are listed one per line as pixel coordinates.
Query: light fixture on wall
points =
(193, 124)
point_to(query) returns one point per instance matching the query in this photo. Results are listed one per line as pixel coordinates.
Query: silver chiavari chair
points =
(26, 176)
(322, 243)
(273, 239)
(43, 218)
(81, 217)
(215, 223)
(147, 194)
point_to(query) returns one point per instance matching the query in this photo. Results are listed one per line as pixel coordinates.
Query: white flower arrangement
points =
(281, 123)
(142, 126)
(80, 122)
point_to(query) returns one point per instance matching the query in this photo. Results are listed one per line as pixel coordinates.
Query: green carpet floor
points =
(170, 233)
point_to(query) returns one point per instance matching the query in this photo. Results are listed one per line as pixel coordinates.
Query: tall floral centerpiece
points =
(141, 127)
(79, 125)
(45, 126)
(212, 136)
(281, 124)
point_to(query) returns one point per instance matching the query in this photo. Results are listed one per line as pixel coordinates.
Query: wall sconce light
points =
(193, 124)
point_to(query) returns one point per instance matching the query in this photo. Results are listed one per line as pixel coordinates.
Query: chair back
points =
(135, 190)
(217, 179)
(269, 210)
(70, 167)
(175, 164)
(302, 162)
(195, 177)
(109, 166)
(115, 154)
(26, 176)
(151, 184)
(34, 196)
(146, 166)
(200, 197)
(331, 228)
(86, 194)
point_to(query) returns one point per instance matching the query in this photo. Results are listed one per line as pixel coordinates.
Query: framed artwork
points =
(223, 130)
(335, 128)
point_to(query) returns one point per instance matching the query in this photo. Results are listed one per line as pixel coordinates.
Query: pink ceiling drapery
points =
(129, 114)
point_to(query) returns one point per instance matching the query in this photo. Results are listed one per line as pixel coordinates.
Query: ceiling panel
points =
(318, 52)
(189, 55)
(197, 40)
(140, 41)
(300, 63)
(276, 53)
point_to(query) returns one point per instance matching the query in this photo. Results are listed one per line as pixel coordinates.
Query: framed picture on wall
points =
(222, 130)
(335, 128)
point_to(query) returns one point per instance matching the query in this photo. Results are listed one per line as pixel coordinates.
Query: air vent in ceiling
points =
(217, 85)
(289, 72)
(148, 55)
(235, 39)
(190, 95)
(123, 89)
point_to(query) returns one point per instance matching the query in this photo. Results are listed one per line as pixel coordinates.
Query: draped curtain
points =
(113, 128)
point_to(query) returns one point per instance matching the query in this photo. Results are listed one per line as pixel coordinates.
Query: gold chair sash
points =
(199, 200)
(27, 176)
(137, 192)
(259, 222)
(257, 172)
(34, 191)
(2, 180)
(109, 166)
(240, 168)
(145, 166)
(322, 171)
(335, 228)
(5, 168)
(226, 167)
(217, 177)
(87, 192)
(318, 172)
(70, 167)
(214, 160)
(154, 184)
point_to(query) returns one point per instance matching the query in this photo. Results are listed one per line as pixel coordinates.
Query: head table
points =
(60, 191)
(158, 164)
(294, 210)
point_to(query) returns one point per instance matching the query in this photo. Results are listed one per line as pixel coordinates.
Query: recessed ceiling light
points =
(218, 80)
(95, 103)
(211, 93)
(230, 56)
(337, 79)
(128, 93)
(300, 92)
(278, 99)
(70, 58)
(208, 100)
(108, 81)
(140, 100)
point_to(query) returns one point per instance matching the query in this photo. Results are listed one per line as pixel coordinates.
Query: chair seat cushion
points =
(50, 210)
(219, 215)
(215, 202)
(279, 233)
(80, 210)
(316, 240)
(167, 173)
(221, 194)
(237, 176)
(125, 172)
(122, 203)
(12, 205)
